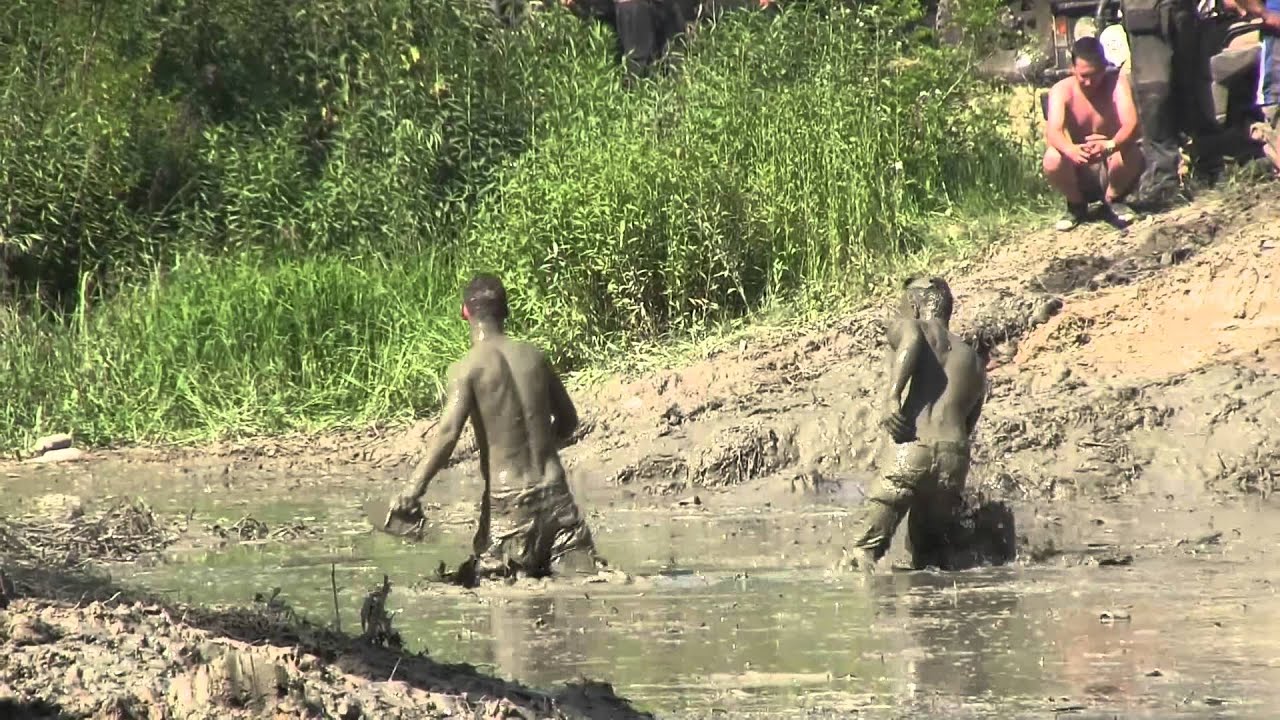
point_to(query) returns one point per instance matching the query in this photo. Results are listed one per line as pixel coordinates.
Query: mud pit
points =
(1130, 426)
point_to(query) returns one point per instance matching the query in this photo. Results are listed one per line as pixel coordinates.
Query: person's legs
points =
(1062, 176)
(931, 528)
(569, 532)
(548, 527)
(1151, 61)
(1269, 99)
(1191, 93)
(1066, 178)
(637, 36)
(891, 500)
(1123, 169)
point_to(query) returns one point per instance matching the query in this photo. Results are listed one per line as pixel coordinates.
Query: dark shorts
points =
(1093, 181)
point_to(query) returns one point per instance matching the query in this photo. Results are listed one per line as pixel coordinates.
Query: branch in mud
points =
(375, 621)
(250, 529)
(124, 531)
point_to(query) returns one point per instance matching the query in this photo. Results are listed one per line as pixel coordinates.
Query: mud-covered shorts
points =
(925, 479)
(530, 528)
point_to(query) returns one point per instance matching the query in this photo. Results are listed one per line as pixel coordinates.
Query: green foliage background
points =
(253, 216)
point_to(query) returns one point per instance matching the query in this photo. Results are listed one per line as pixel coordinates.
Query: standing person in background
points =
(1269, 67)
(642, 27)
(1170, 77)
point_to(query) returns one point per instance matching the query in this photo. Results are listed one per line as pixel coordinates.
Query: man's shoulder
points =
(1118, 78)
(524, 349)
(461, 368)
(961, 347)
(1063, 87)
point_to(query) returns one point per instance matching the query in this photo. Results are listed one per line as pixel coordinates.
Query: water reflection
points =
(963, 636)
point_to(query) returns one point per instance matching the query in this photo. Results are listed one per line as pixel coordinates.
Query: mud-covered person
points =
(945, 384)
(522, 415)
(1091, 129)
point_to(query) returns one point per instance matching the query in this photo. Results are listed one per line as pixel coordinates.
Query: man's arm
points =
(1258, 9)
(564, 416)
(1055, 127)
(458, 406)
(1127, 111)
(971, 421)
(906, 340)
(902, 360)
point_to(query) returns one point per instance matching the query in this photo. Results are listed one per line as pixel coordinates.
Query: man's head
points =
(484, 300)
(926, 298)
(1088, 62)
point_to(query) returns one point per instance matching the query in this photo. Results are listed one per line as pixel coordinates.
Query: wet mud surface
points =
(1129, 428)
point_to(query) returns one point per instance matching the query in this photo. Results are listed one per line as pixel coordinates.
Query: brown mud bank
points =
(74, 646)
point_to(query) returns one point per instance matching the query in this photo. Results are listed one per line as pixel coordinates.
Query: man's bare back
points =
(947, 385)
(521, 415)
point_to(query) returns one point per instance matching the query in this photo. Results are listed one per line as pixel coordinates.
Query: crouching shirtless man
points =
(930, 429)
(1092, 135)
(521, 415)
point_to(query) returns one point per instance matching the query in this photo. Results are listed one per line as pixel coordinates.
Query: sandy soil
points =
(1128, 365)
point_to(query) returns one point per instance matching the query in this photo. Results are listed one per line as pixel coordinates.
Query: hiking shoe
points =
(1075, 214)
(1122, 212)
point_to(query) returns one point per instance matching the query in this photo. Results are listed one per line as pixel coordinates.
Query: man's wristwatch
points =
(1110, 146)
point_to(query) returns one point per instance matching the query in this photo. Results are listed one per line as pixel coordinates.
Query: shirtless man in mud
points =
(930, 429)
(1092, 132)
(521, 415)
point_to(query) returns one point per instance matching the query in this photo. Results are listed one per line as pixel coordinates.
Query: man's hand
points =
(1271, 21)
(898, 426)
(407, 506)
(1080, 154)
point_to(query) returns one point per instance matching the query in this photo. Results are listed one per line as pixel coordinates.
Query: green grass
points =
(244, 345)
(787, 169)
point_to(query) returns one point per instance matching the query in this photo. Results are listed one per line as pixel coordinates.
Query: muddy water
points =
(739, 611)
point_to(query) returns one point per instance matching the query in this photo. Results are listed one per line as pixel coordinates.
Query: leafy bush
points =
(255, 216)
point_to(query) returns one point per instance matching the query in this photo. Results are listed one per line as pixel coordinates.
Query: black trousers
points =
(643, 28)
(1171, 84)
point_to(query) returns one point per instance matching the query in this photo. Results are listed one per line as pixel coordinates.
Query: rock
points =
(30, 631)
(51, 442)
(53, 456)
